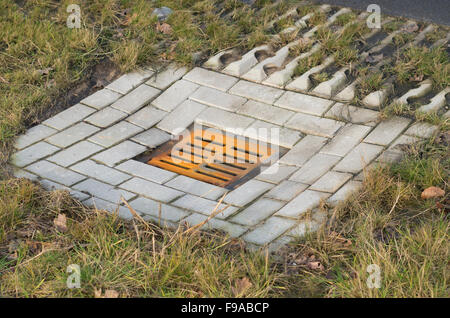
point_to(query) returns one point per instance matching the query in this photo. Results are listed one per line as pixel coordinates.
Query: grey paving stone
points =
(152, 138)
(33, 135)
(103, 191)
(358, 158)
(151, 190)
(196, 187)
(100, 172)
(33, 153)
(106, 117)
(221, 119)
(147, 117)
(331, 181)
(304, 228)
(128, 81)
(75, 153)
(233, 230)
(386, 131)
(52, 186)
(303, 150)
(390, 156)
(276, 173)
(115, 134)
(204, 206)
(269, 231)
(266, 112)
(286, 190)
(211, 79)
(346, 139)
(247, 192)
(256, 92)
(257, 212)
(174, 95)
(216, 98)
(20, 173)
(304, 103)
(181, 117)
(120, 152)
(270, 133)
(69, 117)
(157, 209)
(145, 171)
(402, 141)
(55, 173)
(165, 78)
(314, 168)
(71, 135)
(305, 201)
(277, 244)
(345, 192)
(113, 208)
(135, 99)
(101, 98)
(356, 115)
(422, 130)
(314, 125)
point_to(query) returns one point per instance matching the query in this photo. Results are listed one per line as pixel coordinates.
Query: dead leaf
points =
(164, 28)
(416, 78)
(432, 192)
(60, 223)
(129, 18)
(240, 286)
(315, 266)
(111, 293)
(97, 293)
(374, 58)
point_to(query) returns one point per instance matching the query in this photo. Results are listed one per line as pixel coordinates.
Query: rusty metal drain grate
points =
(213, 156)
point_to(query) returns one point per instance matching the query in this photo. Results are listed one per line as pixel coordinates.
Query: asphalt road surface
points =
(436, 11)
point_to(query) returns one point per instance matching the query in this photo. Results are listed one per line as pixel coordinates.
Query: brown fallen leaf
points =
(315, 266)
(60, 223)
(109, 293)
(241, 286)
(416, 78)
(164, 28)
(432, 192)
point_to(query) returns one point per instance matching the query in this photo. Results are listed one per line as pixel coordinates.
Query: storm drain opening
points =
(214, 156)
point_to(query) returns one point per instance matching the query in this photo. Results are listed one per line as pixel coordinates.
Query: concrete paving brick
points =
(181, 117)
(158, 210)
(69, 117)
(257, 212)
(120, 152)
(390, 156)
(286, 190)
(216, 98)
(53, 186)
(33, 135)
(358, 158)
(55, 173)
(305, 201)
(113, 208)
(115, 134)
(224, 120)
(147, 117)
(211, 79)
(103, 191)
(402, 141)
(233, 230)
(128, 81)
(258, 92)
(145, 171)
(20, 173)
(247, 192)
(386, 131)
(345, 192)
(100, 172)
(303, 228)
(269, 231)
(276, 173)
(304, 103)
(106, 117)
(346, 139)
(69, 136)
(331, 181)
(273, 134)
(152, 138)
(196, 187)
(356, 115)
(303, 150)
(151, 190)
(165, 78)
(266, 112)
(422, 130)
(314, 125)
(314, 168)
(33, 153)
(135, 99)
(174, 95)
(75, 153)
(101, 98)
(204, 206)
